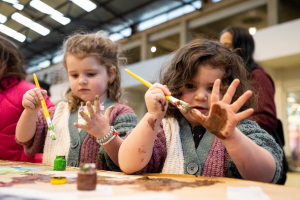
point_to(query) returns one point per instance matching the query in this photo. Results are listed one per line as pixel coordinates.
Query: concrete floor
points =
(293, 180)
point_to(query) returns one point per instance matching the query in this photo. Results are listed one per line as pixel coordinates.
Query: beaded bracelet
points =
(110, 139)
(107, 136)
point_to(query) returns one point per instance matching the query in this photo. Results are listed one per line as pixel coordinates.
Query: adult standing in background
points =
(239, 40)
(12, 88)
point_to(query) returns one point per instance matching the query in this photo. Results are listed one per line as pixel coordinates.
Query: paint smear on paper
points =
(29, 168)
(9, 170)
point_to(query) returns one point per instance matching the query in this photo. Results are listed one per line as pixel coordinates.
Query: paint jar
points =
(60, 163)
(58, 180)
(87, 177)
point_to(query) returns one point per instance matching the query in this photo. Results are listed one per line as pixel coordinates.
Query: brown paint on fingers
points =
(216, 121)
(163, 104)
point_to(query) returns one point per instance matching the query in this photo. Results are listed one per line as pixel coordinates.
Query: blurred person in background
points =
(239, 40)
(12, 88)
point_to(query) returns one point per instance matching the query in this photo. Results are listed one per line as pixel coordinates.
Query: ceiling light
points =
(57, 59)
(61, 19)
(18, 6)
(126, 32)
(44, 64)
(2, 19)
(32, 69)
(168, 16)
(12, 33)
(115, 36)
(11, 1)
(54, 14)
(85, 4)
(30, 24)
(252, 30)
(15, 4)
(153, 49)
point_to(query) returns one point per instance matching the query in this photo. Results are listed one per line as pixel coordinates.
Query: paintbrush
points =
(46, 112)
(181, 105)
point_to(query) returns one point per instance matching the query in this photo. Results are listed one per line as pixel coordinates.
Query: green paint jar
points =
(60, 163)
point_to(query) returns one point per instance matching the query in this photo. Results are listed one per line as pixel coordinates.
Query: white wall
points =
(279, 45)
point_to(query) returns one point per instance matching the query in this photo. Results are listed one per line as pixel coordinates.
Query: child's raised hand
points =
(155, 99)
(32, 99)
(97, 124)
(223, 116)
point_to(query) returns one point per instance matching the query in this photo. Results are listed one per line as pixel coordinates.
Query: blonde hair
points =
(105, 51)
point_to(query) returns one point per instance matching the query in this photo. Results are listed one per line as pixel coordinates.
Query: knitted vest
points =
(210, 156)
(61, 145)
(122, 118)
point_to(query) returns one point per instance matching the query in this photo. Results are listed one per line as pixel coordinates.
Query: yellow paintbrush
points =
(181, 105)
(46, 112)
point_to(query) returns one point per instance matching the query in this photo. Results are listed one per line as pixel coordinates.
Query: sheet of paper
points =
(29, 168)
(159, 196)
(66, 174)
(100, 190)
(36, 194)
(118, 176)
(246, 193)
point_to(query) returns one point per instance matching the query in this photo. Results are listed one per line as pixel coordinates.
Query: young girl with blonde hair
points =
(214, 139)
(92, 63)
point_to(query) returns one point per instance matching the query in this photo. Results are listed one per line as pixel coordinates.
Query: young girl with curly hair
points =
(83, 136)
(214, 139)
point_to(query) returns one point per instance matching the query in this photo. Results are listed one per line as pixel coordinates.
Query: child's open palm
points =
(97, 124)
(223, 116)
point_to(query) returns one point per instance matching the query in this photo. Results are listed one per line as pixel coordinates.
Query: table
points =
(124, 186)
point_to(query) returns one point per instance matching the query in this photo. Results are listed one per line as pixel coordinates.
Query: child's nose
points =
(201, 96)
(82, 80)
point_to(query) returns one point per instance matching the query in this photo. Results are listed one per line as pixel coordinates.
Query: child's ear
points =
(112, 74)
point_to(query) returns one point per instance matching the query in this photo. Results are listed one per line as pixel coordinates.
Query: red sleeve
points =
(265, 115)
(36, 144)
(159, 154)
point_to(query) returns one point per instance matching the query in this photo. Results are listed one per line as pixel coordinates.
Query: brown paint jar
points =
(87, 177)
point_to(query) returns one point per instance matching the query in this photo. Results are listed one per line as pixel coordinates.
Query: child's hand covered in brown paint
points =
(223, 116)
(98, 124)
(156, 101)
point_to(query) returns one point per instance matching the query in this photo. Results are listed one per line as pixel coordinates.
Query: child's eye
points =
(210, 88)
(74, 75)
(91, 74)
(190, 86)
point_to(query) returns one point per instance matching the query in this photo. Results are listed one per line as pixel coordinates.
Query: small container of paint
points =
(60, 163)
(87, 177)
(58, 180)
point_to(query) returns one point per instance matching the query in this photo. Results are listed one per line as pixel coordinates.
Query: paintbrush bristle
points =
(52, 135)
(184, 107)
(181, 105)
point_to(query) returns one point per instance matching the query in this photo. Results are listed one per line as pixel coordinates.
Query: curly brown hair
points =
(11, 61)
(202, 52)
(82, 45)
